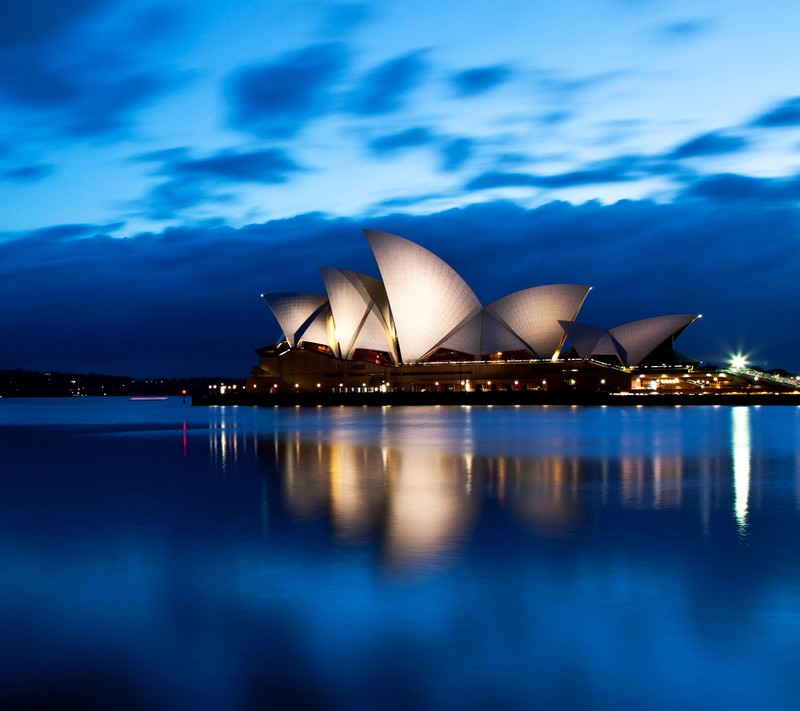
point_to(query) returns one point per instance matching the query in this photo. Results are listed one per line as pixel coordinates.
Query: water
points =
(155, 555)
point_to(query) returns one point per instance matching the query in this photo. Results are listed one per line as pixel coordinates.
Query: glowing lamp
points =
(738, 361)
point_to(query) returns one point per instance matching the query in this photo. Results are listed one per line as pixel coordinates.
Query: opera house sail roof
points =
(631, 342)
(429, 300)
(360, 312)
(534, 314)
(421, 306)
(295, 313)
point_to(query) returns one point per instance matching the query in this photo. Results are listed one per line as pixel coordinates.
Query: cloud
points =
(512, 159)
(193, 181)
(397, 142)
(688, 184)
(107, 103)
(26, 173)
(555, 118)
(682, 30)
(742, 188)
(81, 71)
(560, 96)
(268, 165)
(179, 301)
(278, 98)
(35, 22)
(453, 152)
(68, 232)
(783, 115)
(343, 18)
(456, 152)
(479, 80)
(628, 5)
(413, 200)
(560, 87)
(386, 87)
(617, 170)
(168, 200)
(710, 144)
(501, 179)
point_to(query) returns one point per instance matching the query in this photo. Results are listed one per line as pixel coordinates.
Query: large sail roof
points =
(481, 335)
(295, 312)
(631, 342)
(640, 338)
(533, 314)
(429, 301)
(358, 304)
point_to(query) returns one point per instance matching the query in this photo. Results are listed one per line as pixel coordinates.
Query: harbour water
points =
(155, 555)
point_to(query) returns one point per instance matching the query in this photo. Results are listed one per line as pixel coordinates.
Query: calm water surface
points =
(155, 555)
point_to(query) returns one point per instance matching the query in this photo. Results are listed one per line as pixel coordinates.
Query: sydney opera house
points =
(420, 327)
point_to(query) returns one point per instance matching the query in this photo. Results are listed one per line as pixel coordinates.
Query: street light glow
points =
(738, 361)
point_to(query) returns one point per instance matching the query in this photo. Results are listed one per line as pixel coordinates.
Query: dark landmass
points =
(30, 383)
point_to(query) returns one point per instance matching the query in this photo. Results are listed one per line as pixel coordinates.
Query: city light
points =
(738, 361)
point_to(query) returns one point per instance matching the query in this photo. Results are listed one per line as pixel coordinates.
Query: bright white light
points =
(738, 361)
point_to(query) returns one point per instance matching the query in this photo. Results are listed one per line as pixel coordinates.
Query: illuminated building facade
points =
(420, 327)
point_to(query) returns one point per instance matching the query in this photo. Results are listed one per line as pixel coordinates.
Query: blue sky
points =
(161, 165)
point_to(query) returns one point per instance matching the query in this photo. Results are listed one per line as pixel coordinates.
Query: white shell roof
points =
(533, 314)
(320, 330)
(294, 312)
(609, 346)
(380, 306)
(428, 299)
(631, 342)
(640, 338)
(358, 319)
(583, 336)
(481, 335)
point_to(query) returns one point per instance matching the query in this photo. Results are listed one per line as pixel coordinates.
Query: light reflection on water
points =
(399, 558)
(740, 444)
(388, 485)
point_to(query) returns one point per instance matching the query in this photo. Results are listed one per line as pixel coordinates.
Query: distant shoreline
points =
(35, 383)
(493, 398)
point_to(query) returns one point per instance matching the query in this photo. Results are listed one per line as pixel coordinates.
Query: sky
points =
(163, 164)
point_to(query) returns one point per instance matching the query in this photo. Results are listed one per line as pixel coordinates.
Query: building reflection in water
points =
(225, 439)
(419, 485)
(422, 503)
(224, 446)
(418, 500)
(654, 482)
